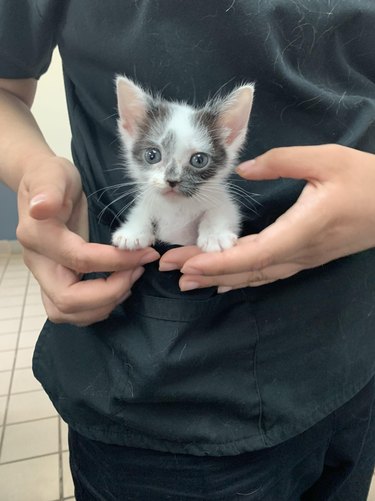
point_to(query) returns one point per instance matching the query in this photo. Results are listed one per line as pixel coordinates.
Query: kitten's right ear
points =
(132, 105)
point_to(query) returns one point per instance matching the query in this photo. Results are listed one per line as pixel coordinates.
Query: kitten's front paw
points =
(125, 238)
(217, 242)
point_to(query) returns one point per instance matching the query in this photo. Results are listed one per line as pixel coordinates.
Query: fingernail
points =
(137, 273)
(223, 289)
(37, 200)
(245, 166)
(149, 257)
(189, 286)
(190, 271)
(163, 266)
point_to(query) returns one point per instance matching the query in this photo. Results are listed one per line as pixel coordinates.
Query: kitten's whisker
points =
(237, 189)
(204, 197)
(101, 213)
(245, 192)
(123, 209)
(238, 196)
(113, 187)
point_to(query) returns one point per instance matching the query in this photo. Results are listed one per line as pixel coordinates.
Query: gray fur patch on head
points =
(178, 133)
(152, 128)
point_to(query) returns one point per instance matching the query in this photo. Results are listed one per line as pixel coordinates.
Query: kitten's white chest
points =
(178, 225)
(182, 222)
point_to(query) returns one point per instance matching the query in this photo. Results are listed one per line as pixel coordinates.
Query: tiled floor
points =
(33, 439)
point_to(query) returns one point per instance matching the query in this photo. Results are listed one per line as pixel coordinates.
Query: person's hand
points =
(333, 217)
(53, 229)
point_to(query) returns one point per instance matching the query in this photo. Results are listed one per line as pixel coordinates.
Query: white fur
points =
(209, 219)
(185, 221)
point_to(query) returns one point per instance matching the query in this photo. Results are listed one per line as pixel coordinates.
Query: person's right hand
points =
(53, 230)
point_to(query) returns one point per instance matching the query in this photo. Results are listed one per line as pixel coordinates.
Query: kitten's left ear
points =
(132, 102)
(234, 115)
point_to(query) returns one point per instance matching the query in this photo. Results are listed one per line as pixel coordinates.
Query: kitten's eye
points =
(199, 160)
(152, 156)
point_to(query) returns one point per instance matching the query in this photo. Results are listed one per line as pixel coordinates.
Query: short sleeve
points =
(28, 33)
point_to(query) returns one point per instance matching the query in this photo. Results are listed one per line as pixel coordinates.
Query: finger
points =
(90, 295)
(82, 318)
(174, 259)
(70, 295)
(288, 240)
(299, 162)
(238, 280)
(53, 240)
(45, 195)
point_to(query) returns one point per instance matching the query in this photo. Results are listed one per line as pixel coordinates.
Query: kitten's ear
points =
(234, 115)
(132, 102)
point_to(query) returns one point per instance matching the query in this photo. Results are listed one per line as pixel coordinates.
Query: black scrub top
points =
(199, 372)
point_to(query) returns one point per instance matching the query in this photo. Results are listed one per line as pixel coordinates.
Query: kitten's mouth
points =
(171, 192)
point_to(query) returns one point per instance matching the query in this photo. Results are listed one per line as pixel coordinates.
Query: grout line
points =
(6, 370)
(14, 366)
(12, 349)
(29, 458)
(7, 351)
(5, 268)
(33, 420)
(25, 392)
(16, 317)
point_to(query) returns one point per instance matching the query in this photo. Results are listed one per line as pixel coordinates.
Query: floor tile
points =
(34, 310)
(34, 298)
(67, 477)
(28, 339)
(33, 323)
(10, 312)
(7, 326)
(24, 358)
(11, 301)
(4, 382)
(16, 272)
(24, 380)
(33, 288)
(14, 281)
(30, 480)
(29, 406)
(7, 360)
(371, 496)
(12, 291)
(3, 401)
(8, 342)
(28, 440)
(64, 435)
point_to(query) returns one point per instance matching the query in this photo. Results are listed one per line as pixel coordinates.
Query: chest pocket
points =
(187, 367)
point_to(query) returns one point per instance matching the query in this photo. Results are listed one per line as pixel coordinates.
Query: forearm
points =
(21, 141)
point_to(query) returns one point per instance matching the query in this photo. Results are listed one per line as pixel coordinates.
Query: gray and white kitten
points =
(180, 158)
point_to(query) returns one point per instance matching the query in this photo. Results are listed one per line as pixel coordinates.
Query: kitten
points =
(180, 157)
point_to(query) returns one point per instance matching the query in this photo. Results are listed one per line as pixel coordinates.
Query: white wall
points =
(50, 111)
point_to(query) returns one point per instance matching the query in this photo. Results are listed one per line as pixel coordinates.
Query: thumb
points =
(47, 191)
(298, 162)
(45, 201)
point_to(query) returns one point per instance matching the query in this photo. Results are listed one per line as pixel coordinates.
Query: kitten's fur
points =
(166, 145)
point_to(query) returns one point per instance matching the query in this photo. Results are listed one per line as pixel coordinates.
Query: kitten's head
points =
(173, 148)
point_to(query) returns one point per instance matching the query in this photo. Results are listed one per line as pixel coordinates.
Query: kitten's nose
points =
(172, 184)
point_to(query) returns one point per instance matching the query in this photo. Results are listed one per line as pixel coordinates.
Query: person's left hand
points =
(333, 217)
